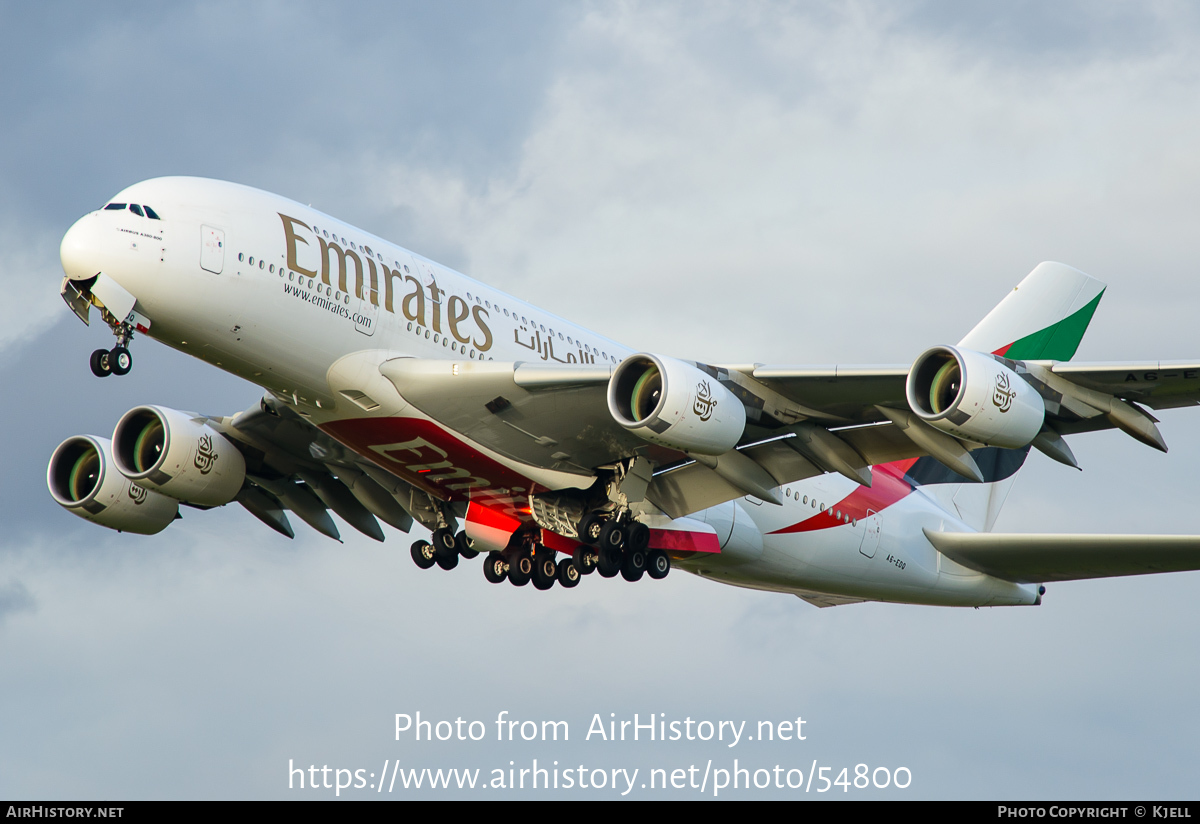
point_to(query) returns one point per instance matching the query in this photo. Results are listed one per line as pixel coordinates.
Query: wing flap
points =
(1033, 559)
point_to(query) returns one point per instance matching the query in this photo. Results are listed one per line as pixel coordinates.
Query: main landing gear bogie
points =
(629, 557)
(444, 549)
(621, 545)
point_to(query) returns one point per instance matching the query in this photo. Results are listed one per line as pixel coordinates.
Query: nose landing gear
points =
(115, 361)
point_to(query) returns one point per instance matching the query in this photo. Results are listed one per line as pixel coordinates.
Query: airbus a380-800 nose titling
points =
(398, 390)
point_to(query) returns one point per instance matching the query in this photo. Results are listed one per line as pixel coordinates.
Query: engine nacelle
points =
(670, 402)
(974, 397)
(179, 455)
(83, 481)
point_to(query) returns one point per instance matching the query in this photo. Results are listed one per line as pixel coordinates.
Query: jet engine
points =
(671, 402)
(178, 454)
(975, 397)
(83, 480)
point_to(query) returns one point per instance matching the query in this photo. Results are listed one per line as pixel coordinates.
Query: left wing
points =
(1007, 384)
(1033, 559)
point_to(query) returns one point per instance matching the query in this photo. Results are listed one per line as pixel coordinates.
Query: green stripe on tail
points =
(1057, 342)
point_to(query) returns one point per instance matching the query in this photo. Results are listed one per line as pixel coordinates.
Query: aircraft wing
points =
(1156, 384)
(850, 393)
(1035, 559)
(802, 421)
(557, 418)
(839, 394)
(293, 465)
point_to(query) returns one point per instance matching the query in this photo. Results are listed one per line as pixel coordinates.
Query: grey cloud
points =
(15, 597)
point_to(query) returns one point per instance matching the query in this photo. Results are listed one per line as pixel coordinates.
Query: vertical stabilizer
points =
(1043, 318)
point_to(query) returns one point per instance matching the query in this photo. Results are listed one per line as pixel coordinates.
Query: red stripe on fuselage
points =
(1003, 350)
(492, 518)
(887, 487)
(683, 540)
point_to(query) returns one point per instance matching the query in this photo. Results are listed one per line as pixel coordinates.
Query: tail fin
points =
(1043, 318)
(977, 505)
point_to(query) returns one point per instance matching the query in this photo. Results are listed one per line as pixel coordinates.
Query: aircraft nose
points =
(78, 251)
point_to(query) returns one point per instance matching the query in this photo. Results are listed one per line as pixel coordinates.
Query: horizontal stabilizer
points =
(1034, 559)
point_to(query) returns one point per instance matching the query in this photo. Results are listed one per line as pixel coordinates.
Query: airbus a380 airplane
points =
(399, 390)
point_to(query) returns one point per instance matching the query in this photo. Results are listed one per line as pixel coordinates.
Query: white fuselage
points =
(280, 294)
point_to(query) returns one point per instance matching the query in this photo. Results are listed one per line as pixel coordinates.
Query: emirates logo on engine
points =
(137, 493)
(703, 407)
(206, 456)
(1003, 395)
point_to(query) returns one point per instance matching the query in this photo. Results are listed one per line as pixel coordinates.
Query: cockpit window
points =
(150, 213)
(136, 209)
(115, 207)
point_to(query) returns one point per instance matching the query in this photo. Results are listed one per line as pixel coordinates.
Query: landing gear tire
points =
(446, 562)
(545, 570)
(443, 541)
(612, 536)
(568, 574)
(120, 361)
(520, 570)
(495, 568)
(637, 536)
(99, 363)
(585, 559)
(610, 562)
(634, 566)
(445, 549)
(422, 554)
(590, 528)
(658, 564)
(465, 546)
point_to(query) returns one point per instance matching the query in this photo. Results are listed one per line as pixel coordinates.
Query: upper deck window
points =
(150, 213)
(115, 207)
(136, 209)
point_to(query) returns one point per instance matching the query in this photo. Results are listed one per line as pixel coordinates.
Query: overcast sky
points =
(810, 183)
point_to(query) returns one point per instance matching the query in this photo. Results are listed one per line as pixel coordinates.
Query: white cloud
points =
(857, 188)
(30, 274)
